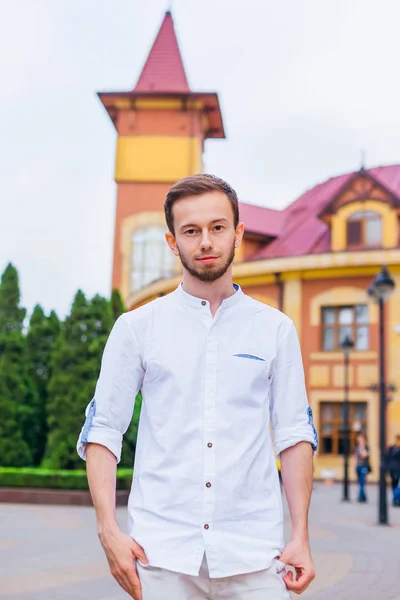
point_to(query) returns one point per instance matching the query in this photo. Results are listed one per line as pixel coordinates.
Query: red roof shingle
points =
(163, 70)
(260, 220)
(301, 230)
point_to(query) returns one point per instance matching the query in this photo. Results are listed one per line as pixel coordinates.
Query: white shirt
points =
(205, 476)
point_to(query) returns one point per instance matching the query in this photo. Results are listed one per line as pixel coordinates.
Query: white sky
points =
(304, 85)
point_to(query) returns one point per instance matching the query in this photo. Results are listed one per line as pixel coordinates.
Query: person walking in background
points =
(215, 367)
(393, 468)
(362, 465)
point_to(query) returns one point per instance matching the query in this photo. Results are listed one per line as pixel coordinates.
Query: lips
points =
(207, 259)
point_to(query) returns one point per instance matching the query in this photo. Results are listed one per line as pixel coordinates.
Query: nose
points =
(206, 243)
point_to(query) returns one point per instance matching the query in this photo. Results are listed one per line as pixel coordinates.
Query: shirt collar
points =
(190, 300)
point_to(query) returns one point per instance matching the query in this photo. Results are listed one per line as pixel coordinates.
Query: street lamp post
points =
(346, 345)
(380, 290)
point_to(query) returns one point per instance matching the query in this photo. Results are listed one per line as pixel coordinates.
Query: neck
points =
(213, 291)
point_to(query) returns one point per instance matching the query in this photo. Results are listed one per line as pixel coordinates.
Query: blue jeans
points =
(362, 473)
(395, 477)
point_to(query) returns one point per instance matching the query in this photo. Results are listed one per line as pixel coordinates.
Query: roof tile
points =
(163, 70)
(301, 231)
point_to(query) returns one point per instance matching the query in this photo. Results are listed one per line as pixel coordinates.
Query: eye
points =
(190, 231)
(219, 227)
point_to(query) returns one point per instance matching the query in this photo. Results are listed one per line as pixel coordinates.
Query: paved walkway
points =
(53, 553)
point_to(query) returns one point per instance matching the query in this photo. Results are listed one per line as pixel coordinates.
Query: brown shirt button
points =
(203, 302)
(208, 484)
(206, 526)
(209, 444)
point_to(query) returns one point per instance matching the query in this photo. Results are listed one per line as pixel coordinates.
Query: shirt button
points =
(209, 444)
(203, 302)
(208, 484)
(206, 526)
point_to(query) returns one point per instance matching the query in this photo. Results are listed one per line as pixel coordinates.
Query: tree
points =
(11, 314)
(117, 304)
(130, 438)
(42, 334)
(18, 400)
(75, 367)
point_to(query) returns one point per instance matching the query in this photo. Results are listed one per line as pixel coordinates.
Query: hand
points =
(121, 552)
(297, 554)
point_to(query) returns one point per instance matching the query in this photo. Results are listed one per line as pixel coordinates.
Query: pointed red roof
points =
(163, 70)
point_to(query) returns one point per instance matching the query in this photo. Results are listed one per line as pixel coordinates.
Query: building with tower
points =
(162, 126)
(314, 260)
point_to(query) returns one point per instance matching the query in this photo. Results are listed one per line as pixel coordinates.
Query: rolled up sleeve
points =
(109, 413)
(291, 415)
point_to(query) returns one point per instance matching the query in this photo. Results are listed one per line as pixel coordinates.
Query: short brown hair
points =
(196, 185)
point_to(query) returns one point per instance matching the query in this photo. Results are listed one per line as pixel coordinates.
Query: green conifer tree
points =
(18, 401)
(11, 314)
(40, 340)
(117, 304)
(75, 367)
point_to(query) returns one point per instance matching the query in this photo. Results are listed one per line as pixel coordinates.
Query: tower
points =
(161, 126)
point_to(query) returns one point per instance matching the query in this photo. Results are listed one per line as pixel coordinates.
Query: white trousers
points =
(162, 584)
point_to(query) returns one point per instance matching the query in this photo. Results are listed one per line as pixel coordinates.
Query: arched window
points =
(364, 230)
(151, 258)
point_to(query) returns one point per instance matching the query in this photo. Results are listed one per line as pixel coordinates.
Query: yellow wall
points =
(264, 299)
(318, 376)
(393, 359)
(390, 230)
(292, 302)
(157, 158)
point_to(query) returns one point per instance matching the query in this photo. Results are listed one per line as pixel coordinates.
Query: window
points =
(341, 321)
(331, 427)
(364, 230)
(151, 257)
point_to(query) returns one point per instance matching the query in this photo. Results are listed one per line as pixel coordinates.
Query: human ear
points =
(171, 241)
(239, 234)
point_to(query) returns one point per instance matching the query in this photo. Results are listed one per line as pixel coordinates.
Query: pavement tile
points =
(52, 553)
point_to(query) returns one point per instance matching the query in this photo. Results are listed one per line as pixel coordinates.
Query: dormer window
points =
(364, 230)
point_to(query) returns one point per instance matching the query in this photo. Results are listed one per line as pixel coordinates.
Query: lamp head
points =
(347, 345)
(382, 286)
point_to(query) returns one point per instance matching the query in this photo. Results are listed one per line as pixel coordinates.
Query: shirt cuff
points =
(110, 438)
(285, 438)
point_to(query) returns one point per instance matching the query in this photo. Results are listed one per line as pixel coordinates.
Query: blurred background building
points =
(313, 260)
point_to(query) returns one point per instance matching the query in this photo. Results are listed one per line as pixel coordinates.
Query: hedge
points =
(55, 479)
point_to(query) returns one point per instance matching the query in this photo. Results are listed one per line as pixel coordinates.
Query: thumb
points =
(284, 557)
(139, 553)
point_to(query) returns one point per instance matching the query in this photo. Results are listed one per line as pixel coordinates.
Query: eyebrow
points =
(189, 225)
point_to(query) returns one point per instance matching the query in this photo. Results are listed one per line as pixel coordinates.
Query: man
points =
(393, 467)
(214, 367)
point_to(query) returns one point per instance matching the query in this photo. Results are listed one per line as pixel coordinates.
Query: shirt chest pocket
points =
(249, 374)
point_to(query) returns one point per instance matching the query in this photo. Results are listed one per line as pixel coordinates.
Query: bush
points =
(55, 479)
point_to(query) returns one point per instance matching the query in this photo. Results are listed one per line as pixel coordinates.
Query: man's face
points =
(205, 237)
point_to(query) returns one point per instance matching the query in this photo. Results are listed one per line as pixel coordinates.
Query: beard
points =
(210, 274)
